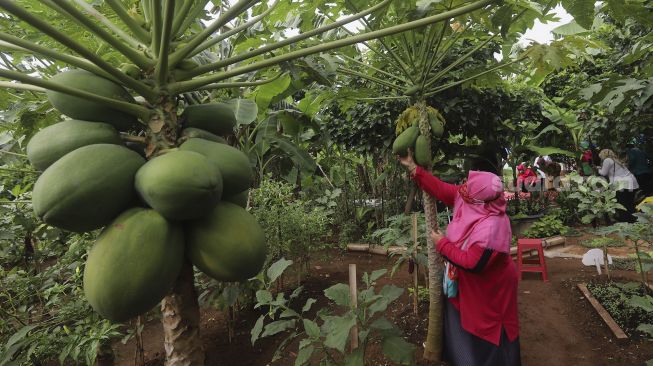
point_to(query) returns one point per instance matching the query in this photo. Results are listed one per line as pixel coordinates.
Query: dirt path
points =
(558, 326)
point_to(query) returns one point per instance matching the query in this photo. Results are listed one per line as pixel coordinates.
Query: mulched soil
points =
(558, 325)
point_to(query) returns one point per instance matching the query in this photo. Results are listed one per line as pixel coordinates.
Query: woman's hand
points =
(407, 161)
(436, 236)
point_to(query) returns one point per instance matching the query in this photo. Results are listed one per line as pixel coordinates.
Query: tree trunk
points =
(433, 346)
(181, 322)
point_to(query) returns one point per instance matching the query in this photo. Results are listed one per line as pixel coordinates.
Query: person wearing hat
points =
(639, 166)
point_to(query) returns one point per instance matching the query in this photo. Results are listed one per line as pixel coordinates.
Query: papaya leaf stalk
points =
(180, 15)
(194, 13)
(212, 41)
(60, 37)
(20, 86)
(185, 86)
(399, 78)
(347, 71)
(133, 26)
(198, 39)
(239, 84)
(157, 25)
(90, 10)
(261, 50)
(81, 18)
(131, 108)
(164, 48)
(19, 44)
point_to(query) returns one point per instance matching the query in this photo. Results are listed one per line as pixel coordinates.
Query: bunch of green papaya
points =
(186, 203)
(411, 137)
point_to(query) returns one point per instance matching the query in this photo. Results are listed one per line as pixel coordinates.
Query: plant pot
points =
(519, 225)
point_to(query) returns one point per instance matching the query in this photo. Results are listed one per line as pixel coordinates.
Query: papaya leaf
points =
(581, 10)
(571, 28)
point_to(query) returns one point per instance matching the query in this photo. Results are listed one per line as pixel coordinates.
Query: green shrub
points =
(549, 225)
(602, 242)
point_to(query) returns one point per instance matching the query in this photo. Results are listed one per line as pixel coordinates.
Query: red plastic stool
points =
(531, 265)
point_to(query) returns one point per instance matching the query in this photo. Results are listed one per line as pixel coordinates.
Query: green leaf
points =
(263, 297)
(337, 330)
(19, 335)
(308, 304)
(245, 110)
(382, 324)
(391, 292)
(569, 29)
(298, 155)
(277, 268)
(265, 93)
(288, 313)
(355, 358)
(643, 302)
(377, 274)
(581, 10)
(338, 293)
(258, 327)
(311, 328)
(304, 355)
(398, 350)
(646, 328)
(278, 326)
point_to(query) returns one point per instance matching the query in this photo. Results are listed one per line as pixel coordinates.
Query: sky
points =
(541, 33)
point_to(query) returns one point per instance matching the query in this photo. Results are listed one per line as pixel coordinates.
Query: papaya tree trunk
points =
(181, 322)
(433, 344)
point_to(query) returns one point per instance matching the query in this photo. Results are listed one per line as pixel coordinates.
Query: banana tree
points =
(164, 53)
(424, 62)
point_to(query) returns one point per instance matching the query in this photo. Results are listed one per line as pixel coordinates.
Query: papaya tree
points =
(139, 156)
(419, 64)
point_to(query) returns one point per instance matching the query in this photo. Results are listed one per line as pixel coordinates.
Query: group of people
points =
(628, 177)
(542, 172)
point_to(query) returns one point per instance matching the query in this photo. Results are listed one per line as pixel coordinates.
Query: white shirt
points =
(618, 175)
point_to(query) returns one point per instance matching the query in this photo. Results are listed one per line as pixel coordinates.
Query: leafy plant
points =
(597, 199)
(547, 226)
(327, 332)
(602, 242)
(629, 304)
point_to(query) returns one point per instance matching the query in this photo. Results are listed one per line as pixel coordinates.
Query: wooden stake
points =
(353, 295)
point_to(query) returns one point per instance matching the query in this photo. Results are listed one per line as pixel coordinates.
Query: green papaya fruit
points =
(227, 245)
(80, 108)
(190, 132)
(87, 188)
(234, 165)
(422, 157)
(404, 141)
(180, 185)
(239, 198)
(131, 70)
(412, 90)
(57, 140)
(133, 264)
(436, 122)
(217, 118)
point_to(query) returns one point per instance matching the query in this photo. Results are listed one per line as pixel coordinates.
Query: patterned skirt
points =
(462, 348)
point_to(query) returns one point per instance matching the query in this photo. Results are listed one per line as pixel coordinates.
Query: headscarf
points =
(607, 153)
(480, 214)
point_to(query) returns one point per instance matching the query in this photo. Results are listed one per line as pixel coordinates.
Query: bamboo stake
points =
(353, 295)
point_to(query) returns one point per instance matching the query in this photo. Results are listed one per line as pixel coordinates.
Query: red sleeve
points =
(445, 192)
(474, 259)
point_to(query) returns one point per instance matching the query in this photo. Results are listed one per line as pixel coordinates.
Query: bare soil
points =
(558, 326)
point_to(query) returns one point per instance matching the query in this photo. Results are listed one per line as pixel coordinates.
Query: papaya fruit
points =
(133, 264)
(187, 64)
(180, 185)
(239, 198)
(234, 165)
(217, 118)
(191, 132)
(57, 140)
(405, 141)
(422, 157)
(131, 70)
(87, 188)
(227, 245)
(86, 110)
(412, 90)
(436, 121)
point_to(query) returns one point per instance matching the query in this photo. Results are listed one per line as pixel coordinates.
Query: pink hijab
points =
(480, 214)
